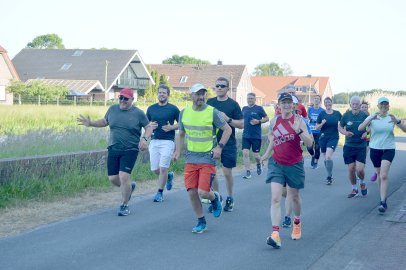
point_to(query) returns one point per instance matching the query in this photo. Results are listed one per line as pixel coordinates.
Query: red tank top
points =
(286, 150)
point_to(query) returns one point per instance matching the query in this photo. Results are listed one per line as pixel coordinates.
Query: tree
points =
(152, 91)
(273, 69)
(184, 59)
(17, 88)
(48, 41)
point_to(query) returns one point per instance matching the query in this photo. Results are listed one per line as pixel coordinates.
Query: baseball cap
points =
(285, 96)
(383, 99)
(127, 92)
(196, 87)
(295, 99)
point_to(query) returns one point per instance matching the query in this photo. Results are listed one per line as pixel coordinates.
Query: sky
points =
(359, 44)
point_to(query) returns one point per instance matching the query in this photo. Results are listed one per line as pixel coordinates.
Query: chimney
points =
(219, 62)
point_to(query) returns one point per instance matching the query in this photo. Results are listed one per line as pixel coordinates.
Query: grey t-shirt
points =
(125, 127)
(204, 157)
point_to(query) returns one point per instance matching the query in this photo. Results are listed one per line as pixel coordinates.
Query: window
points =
(77, 53)
(167, 78)
(65, 67)
(183, 79)
(2, 92)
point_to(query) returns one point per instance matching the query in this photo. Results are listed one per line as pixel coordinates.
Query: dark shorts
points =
(292, 175)
(120, 161)
(326, 142)
(229, 156)
(352, 154)
(255, 144)
(377, 155)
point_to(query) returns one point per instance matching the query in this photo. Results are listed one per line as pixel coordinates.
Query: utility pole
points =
(106, 92)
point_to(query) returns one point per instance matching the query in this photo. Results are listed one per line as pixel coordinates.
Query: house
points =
(7, 73)
(95, 74)
(183, 76)
(305, 87)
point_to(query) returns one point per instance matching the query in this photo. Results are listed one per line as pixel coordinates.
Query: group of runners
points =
(207, 128)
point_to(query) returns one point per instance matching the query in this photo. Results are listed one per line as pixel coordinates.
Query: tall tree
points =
(48, 41)
(273, 69)
(184, 59)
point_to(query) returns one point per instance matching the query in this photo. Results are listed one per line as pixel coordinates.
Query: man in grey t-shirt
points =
(126, 122)
(197, 125)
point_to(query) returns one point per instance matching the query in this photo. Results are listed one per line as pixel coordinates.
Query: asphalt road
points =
(337, 232)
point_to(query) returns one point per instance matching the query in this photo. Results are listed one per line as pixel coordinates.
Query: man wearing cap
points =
(382, 145)
(254, 116)
(197, 125)
(355, 146)
(162, 117)
(286, 131)
(231, 113)
(126, 122)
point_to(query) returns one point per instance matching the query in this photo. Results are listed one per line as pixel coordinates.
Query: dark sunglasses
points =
(123, 98)
(221, 86)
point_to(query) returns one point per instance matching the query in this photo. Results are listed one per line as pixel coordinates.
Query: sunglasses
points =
(221, 86)
(123, 98)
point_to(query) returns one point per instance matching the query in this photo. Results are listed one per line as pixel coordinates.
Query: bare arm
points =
(269, 149)
(85, 121)
(224, 139)
(366, 122)
(305, 136)
(180, 141)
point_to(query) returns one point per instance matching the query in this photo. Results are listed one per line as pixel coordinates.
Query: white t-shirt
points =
(382, 136)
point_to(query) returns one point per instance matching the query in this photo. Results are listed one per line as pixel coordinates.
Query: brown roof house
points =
(90, 73)
(7, 73)
(183, 76)
(305, 87)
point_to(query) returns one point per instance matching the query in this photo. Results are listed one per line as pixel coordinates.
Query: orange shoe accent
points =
(296, 231)
(274, 240)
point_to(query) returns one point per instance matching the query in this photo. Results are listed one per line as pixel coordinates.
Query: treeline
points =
(343, 98)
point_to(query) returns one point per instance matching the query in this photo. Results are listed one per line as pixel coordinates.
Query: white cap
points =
(294, 99)
(196, 87)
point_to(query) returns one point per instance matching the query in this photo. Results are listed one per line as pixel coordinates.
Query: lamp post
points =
(105, 84)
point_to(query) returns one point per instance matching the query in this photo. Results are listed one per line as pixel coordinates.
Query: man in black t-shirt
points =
(162, 117)
(231, 112)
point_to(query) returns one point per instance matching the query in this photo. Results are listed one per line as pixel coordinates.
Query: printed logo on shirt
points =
(281, 135)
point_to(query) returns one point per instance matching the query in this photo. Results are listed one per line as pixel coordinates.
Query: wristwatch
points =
(145, 138)
(229, 120)
(300, 132)
(221, 145)
(399, 121)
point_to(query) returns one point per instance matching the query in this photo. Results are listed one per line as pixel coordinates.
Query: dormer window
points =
(183, 79)
(65, 67)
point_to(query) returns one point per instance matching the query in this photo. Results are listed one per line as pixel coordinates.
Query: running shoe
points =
(205, 201)
(315, 166)
(123, 210)
(374, 177)
(229, 205)
(169, 182)
(329, 180)
(159, 197)
(274, 240)
(259, 169)
(133, 185)
(211, 206)
(199, 228)
(296, 231)
(287, 223)
(247, 175)
(312, 162)
(364, 190)
(383, 207)
(353, 193)
(217, 208)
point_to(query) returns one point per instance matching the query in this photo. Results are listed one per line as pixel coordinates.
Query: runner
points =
(126, 122)
(231, 113)
(198, 125)
(313, 113)
(254, 116)
(327, 122)
(286, 165)
(382, 145)
(162, 117)
(355, 146)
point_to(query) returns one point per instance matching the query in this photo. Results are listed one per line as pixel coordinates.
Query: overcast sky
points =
(359, 44)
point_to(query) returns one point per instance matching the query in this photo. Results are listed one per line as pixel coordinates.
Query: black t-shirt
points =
(231, 108)
(351, 122)
(161, 115)
(330, 128)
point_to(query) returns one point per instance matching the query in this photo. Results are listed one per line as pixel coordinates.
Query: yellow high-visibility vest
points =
(199, 129)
